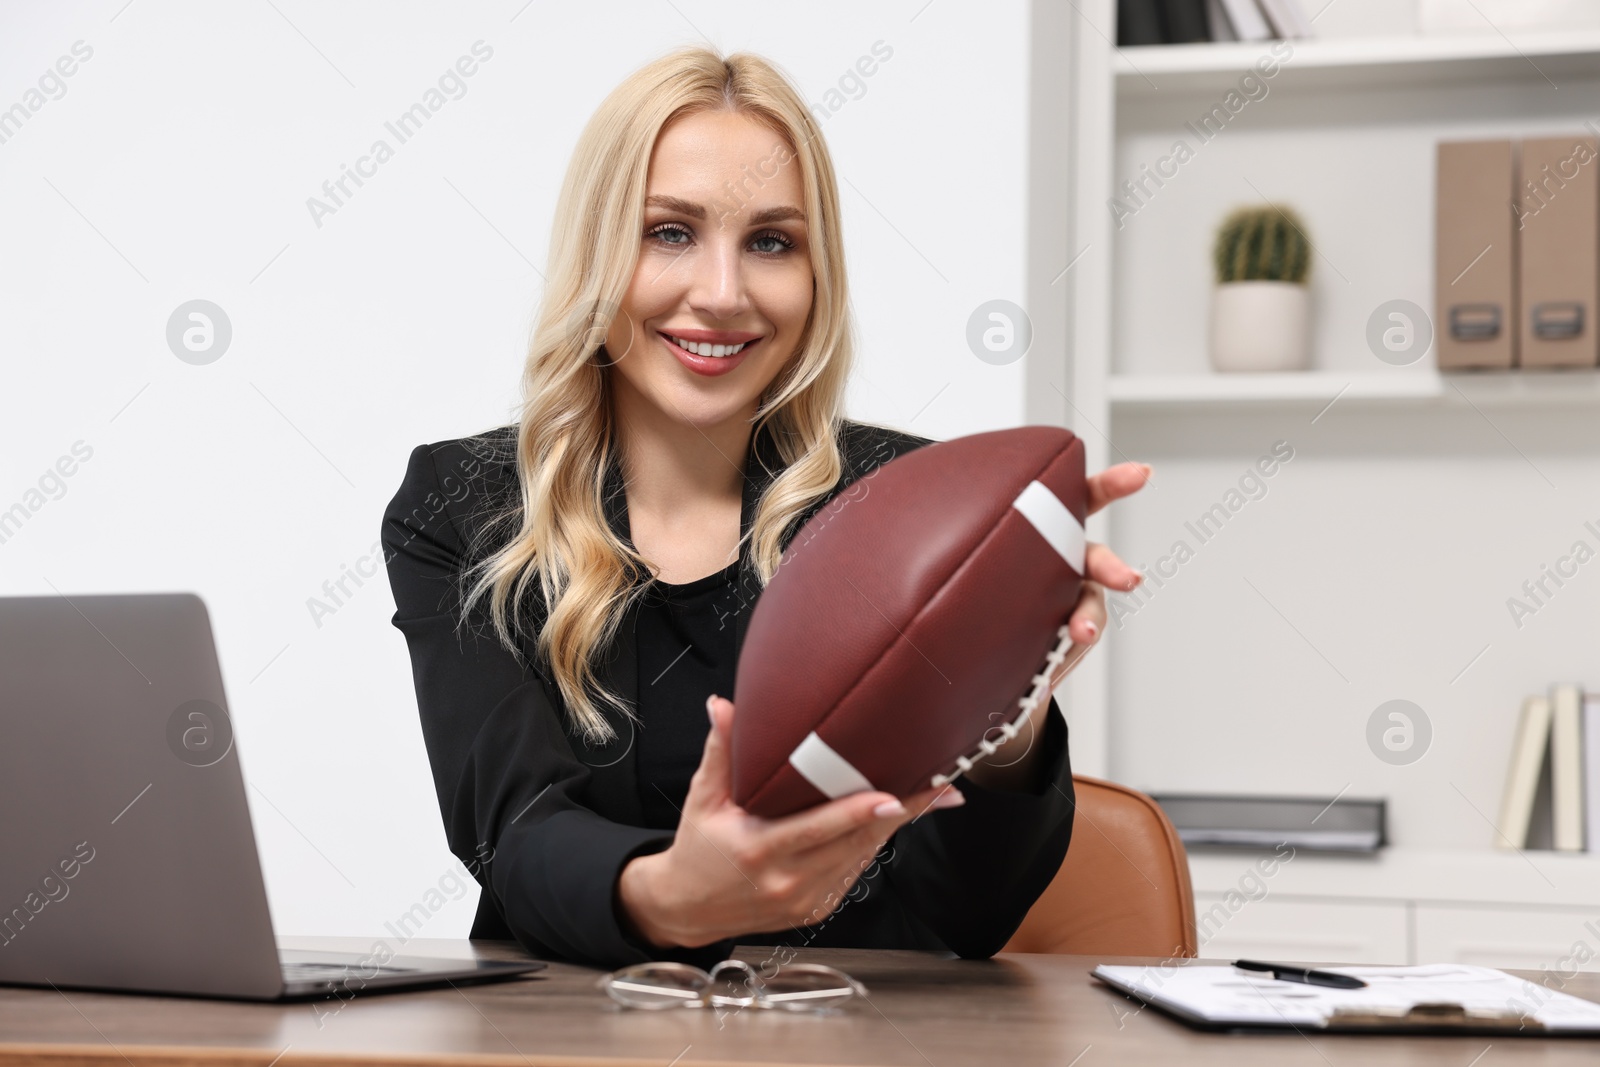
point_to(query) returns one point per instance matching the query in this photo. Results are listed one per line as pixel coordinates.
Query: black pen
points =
(1283, 972)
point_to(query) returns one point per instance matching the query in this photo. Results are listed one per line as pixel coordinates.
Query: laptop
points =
(127, 857)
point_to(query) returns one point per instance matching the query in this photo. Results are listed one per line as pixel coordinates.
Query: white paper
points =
(1230, 996)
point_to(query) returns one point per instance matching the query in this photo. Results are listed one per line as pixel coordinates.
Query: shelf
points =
(1150, 71)
(1398, 873)
(1488, 388)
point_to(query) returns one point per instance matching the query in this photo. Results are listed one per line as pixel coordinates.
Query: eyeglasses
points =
(730, 984)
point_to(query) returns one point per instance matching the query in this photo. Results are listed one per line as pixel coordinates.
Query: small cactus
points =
(1262, 244)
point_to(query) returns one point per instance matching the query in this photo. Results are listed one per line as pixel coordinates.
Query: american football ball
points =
(912, 622)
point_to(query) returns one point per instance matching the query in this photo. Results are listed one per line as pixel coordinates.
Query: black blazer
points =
(546, 821)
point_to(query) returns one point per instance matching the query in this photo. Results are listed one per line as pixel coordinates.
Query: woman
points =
(574, 587)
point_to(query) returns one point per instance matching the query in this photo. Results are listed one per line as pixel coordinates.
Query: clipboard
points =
(1430, 999)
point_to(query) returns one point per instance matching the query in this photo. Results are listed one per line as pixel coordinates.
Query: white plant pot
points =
(1260, 326)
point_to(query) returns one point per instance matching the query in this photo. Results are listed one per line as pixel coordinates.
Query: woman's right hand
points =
(728, 872)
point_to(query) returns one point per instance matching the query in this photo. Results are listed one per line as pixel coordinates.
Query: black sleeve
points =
(970, 874)
(509, 784)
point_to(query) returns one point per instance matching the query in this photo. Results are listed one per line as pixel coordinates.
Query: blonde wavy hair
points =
(564, 445)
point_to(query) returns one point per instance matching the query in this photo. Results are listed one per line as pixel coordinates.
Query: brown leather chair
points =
(1123, 889)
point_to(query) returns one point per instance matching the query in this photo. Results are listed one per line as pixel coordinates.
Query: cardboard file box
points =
(1557, 213)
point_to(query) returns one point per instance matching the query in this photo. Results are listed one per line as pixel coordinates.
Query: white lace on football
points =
(1038, 696)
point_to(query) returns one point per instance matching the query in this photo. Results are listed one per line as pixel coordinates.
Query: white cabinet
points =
(1305, 930)
(1562, 942)
(1533, 911)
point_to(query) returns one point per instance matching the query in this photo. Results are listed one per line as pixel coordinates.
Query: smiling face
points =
(723, 285)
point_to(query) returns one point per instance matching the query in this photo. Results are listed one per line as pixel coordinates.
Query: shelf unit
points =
(1520, 389)
(1147, 70)
(1131, 385)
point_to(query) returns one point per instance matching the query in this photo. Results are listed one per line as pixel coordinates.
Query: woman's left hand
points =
(1087, 622)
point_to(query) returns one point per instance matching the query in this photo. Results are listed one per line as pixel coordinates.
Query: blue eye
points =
(783, 241)
(660, 231)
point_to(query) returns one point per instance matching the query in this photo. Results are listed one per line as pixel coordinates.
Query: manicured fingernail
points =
(1092, 628)
(710, 709)
(889, 809)
(1148, 470)
(950, 798)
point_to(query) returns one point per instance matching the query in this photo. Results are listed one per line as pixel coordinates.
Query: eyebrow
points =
(695, 211)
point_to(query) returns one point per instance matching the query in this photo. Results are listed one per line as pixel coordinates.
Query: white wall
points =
(177, 165)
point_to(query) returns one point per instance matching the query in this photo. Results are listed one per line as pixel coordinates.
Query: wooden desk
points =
(924, 1011)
